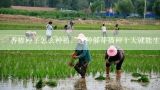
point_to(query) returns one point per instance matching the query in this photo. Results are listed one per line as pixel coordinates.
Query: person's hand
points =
(75, 57)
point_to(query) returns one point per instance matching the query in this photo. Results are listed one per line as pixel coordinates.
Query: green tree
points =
(79, 4)
(53, 3)
(156, 7)
(97, 6)
(5, 3)
(124, 7)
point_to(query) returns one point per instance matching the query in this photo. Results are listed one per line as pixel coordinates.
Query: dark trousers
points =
(81, 68)
(118, 65)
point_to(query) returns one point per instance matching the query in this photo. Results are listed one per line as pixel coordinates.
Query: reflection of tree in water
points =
(113, 85)
(80, 84)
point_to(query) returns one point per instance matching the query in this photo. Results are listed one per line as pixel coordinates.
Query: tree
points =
(139, 6)
(79, 4)
(124, 7)
(156, 7)
(5, 3)
(97, 6)
(53, 3)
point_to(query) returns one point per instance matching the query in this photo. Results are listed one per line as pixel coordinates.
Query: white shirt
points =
(103, 28)
(49, 30)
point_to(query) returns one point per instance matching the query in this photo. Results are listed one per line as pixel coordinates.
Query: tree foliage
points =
(97, 6)
(5, 3)
(156, 7)
(124, 7)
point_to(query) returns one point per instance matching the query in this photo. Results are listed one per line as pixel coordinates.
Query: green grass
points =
(38, 64)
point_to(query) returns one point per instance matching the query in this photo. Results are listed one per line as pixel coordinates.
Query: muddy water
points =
(75, 83)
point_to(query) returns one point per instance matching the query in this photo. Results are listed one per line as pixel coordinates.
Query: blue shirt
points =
(83, 52)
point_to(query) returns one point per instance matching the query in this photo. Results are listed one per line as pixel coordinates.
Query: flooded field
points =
(75, 83)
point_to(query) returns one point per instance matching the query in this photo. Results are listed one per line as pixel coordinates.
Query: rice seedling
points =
(40, 64)
(101, 77)
(39, 84)
(51, 83)
(136, 75)
(42, 83)
(141, 78)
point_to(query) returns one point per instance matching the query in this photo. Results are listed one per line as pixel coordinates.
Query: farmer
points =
(71, 24)
(116, 29)
(30, 35)
(81, 53)
(68, 29)
(49, 30)
(104, 31)
(116, 56)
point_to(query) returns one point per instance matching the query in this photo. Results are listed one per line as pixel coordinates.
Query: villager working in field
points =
(68, 28)
(104, 30)
(116, 56)
(49, 30)
(30, 35)
(81, 53)
(116, 29)
(71, 24)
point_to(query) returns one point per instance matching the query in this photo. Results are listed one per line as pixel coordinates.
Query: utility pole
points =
(145, 7)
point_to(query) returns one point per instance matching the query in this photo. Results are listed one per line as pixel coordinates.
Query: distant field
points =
(20, 22)
(41, 26)
(33, 8)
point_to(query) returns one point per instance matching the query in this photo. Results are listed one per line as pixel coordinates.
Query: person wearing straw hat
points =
(116, 56)
(81, 53)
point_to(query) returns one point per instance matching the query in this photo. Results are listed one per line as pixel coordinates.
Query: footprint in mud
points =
(114, 85)
(80, 84)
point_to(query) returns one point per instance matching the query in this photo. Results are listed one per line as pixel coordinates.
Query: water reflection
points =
(113, 85)
(80, 84)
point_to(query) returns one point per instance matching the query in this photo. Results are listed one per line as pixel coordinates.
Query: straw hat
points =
(112, 51)
(81, 37)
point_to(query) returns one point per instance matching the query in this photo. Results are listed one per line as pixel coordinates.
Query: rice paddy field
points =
(26, 67)
(39, 64)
